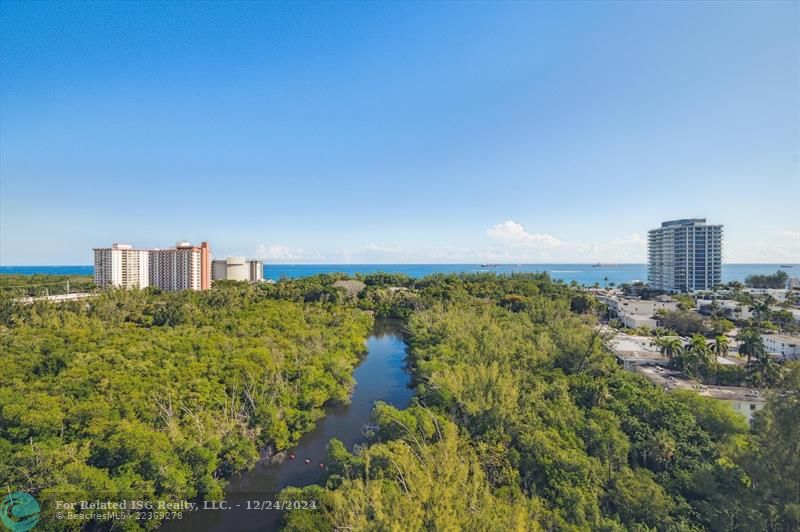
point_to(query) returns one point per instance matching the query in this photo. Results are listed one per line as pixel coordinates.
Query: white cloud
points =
(511, 242)
(520, 245)
(382, 249)
(780, 246)
(278, 252)
(632, 248)
(511, 232)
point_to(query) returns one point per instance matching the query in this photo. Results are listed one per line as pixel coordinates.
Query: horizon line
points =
(619, 263)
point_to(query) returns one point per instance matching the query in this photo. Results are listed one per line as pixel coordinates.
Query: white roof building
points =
(784, 345)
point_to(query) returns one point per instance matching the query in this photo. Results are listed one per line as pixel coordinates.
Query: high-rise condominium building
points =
(184, 267)
(237, 269)
(685, 255)
(121, 266)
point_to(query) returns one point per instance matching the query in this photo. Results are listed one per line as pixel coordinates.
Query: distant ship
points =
(786, 265)
(489, 265)
(598, 265)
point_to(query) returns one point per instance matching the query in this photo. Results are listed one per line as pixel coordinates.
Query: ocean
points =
(585, 274)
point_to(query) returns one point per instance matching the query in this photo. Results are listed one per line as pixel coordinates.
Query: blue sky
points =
(397, 132)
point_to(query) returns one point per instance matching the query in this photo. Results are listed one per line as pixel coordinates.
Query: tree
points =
(636, 497)
(697, 356)
(760, 310)
(717, 418)
(210, 378)
(684, 322)
(750, 343)
(776, 280)
(720, 349)
(670, 347)
(774, 464)
(763, 369)
(721, 345)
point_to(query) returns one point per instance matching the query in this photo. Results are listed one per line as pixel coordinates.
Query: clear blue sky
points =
(397, 132)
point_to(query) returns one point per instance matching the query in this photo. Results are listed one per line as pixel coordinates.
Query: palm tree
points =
(670, 347)
(660, 449)
(720, 349)
(760, 310)
(763, 370)
(699, 354)
(769, 300)
(721, 345)
(750, 343)
(658, 333)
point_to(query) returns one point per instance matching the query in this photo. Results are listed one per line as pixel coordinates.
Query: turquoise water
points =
(581, 273)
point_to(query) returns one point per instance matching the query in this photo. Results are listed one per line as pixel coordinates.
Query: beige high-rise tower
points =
(184, 267)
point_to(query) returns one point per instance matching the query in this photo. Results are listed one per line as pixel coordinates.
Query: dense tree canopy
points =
(148, 396)
(775, 280)
(40, 284)
(522, 421)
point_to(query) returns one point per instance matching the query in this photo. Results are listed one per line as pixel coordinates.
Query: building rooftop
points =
(629, 343)
(644, 350)
(683, 221)
(637, 349)
(783, 338)
(672, 380)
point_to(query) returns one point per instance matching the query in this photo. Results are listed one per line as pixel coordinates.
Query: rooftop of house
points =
(626, 343)
(644, 349)
(783, 338)
(630, 348)
(673, 380)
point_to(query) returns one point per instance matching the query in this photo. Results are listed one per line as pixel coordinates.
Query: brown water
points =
(381, 376)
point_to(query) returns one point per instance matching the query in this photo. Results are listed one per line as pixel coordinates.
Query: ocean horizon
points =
(582, 273)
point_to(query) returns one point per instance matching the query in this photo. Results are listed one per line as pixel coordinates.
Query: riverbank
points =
(380, 376)
(173, 392)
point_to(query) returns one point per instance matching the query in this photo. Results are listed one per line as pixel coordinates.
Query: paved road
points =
(57, 298)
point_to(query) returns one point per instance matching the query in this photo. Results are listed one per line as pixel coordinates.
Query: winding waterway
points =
(381, 376)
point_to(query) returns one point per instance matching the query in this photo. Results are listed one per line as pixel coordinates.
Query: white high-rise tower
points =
(685, 255)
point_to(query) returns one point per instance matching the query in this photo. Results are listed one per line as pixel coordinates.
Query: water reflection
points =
(381, 376)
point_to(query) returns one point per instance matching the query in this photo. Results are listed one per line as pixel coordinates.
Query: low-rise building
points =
(634, 313)
(635, 350)
(238, 269)
(795, 312)
(726, 307)
(746, 401)
(783, 345)
(778, 293)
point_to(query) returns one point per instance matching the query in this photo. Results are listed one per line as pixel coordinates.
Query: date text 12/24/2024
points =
(261, 505)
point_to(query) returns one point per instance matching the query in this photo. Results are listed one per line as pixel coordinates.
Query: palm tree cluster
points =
(699, 357)
(762, 369)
